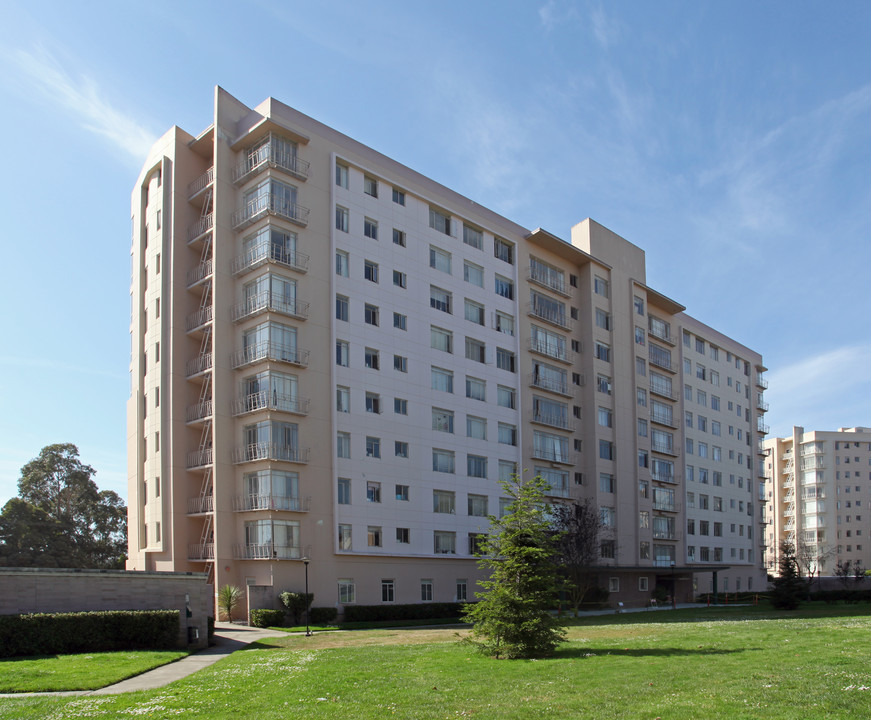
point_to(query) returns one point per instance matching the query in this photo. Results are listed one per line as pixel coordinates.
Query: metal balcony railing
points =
(553, 385)
(662, 391)
(199, 364)
(663, 335)
(269, 204)
(762, 428)
(661, 447)
(201, 552)
(266, 252)
(199, 458)
(761, 381)
(662, 362)
(267, 156)
(200, 505)
(663, 419)
(202, 182)
(199, 273)
(266, 400)
(550, 350)
(268, 301)
(201, 227)
(269, 351)
(267, 551)
(554, 455)
(663, 477)
(199, 318)
(555, 282)
(543, 312)
(200, 411)
(762, 405)
(251, 502)
(270, 451)
(553, 420)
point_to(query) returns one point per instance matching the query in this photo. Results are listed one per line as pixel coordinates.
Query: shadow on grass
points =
(588, 651)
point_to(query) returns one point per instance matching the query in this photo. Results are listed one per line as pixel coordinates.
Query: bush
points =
(416, 611)
(65, 633)
(323, 615)
(262, 617)
(296, 604)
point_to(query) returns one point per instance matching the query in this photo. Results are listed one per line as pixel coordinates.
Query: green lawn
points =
(718, 663)
(86, 671)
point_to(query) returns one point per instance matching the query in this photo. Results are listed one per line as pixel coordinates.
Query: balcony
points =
(554, 455)
(560, 491)
(554, 420)
(201, 183)
(200, 505)
(263, 253)
(548, 314)
(268, 156)
(266, 350)
(560, 387)
(267, 551)
(200, 364)
(662, 362)
(663, 419)
(664, 448)
(270, 451)
(199, 458)
(266, 400)
(201, 227)
(267, 301)
(663, 335)
(762, 427)
(540, 347)
(267, 204)
(761, 381)
(664, 505)
(663, 392)
(245, 503)
(552, 281)
(199, 319)
(664, 535)
(663, 477)
(199, 412)
(199, 273)
(201, 552)
(762, 405)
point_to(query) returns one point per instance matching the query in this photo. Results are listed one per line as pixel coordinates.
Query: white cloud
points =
(605, 30)
(83, 99)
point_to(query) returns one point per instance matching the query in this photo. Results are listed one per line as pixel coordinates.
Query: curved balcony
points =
(268, 204)
(270, 451)
(252, 502)
(259, 352)
(267, 301)
(267, 156)
(266, 400)
(265, 252)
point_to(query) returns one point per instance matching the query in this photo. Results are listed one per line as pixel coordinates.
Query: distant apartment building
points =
(336, 358)
(819, 490)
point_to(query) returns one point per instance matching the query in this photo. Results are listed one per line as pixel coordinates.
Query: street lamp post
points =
(673, 588)
(308, 631)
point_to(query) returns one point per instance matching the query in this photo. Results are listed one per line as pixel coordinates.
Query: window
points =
(370, 271)
(400, 322)
(473, 274)
(476, 466)
(606, 417)
(371, 359)
(505, 397)
(549, 446)
(442, 420)
(342, 175)
(608, 517)
(603, 319)
(505, 359)
(400, 363)
(400, 449)
(370, 186)
(442, 380)
(441, 339)
(370, 228)
(503, 250)
(344, 491)
(398, 197)
(504, 287)
(343, 444)
(548, 343)
(603, 384)
(474, 312)
(547, 308)
(373, 403)
(603, 351)
(373, 447)
(343, 352)
(475, 350)
(700, 346)
(473, 236)
(342, 305)
(504, 323)
(642, 428)
(476, 427)
(443, 461)
(600, 286)
(439, 299)
(507, 434)
(641, 397)
(476, 389)
(343, 399)
(478, 505)
(402, 492)
(439, 221)
(462, 590)
(639, 336)
(439, 259)
(341, 263)
(444, 543)
(606, 450)
(343, 220)
(346, 587)
(639, 305)
(400, 279)
(606, 483)
(344, 537)
(398, 237)
(444, 501)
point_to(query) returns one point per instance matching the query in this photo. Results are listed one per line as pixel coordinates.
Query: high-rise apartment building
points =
(819, 489)
(336, 358)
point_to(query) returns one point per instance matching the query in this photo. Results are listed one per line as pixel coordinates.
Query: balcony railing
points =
(199, 458)
(269, 204)
(549, 350)
(267, 551)
(268, 301)
(200, 505)
(665, 448)
(664, 505)
(557, 282)
(201, 552)
(200, 411)
(201, 227)
(663, 335)
(544, 383)
(553, 420)
(663, 419)
(662, 392)
(762, 427)
(553, 455)
(761, 381)
(663, 477)
(664, 535)
(244, 503)
(199, 318)
(269, 351)
(542, 312)
(266, 400)
(199, 273)
(561, 491)
(268, 157)
(270, 451)
(199, 364)
(202, 182)
(762, 405)
(662, 362)
(266, 252)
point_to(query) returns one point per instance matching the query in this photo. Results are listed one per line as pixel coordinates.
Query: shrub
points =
(416, 611)
(323, 615)
(64, 633)
(296, 604)
(262, 617)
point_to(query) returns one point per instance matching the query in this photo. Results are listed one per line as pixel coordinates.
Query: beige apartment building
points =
(818, 484)
(335, 358)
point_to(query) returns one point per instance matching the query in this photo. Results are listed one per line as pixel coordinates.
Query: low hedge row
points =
(56, 633)
(323, 615)
(276, 618)
(847, 596)
(422, 611)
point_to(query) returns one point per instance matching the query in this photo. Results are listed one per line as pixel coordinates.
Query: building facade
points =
(336, 358)
(819, 487)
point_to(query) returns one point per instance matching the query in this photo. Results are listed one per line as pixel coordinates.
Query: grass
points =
(680, 665)
(86, 671)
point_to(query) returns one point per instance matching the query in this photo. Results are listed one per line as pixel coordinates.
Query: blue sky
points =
(730, 141)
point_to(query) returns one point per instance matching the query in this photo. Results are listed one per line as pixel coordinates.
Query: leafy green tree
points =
(296, 603)
(78, 525)
(229, 598)
(788, 588)
(513, 617)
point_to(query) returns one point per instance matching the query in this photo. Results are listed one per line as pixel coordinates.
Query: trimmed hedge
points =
(65, 633)
(323, 615)
(262, 617)
(416, 611)
(847, 596)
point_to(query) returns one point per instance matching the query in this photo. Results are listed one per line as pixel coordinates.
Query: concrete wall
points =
(43, 590)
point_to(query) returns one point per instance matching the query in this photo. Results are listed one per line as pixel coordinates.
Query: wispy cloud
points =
(605, 29)
(81, 96)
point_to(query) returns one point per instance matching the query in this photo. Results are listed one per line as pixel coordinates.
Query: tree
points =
(229, 598)
(296, 604)
(788, 588)
(580, 525)
(843, 571)
(79, 525)
(811, 559)
(513, 617)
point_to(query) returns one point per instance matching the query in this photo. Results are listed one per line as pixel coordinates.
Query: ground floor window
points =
(642, 584)
(614, 584)
(387, 590)
(426, 590)
(346, 591)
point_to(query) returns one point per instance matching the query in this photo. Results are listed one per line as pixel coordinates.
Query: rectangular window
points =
(439, 259)
(603, 351)
(370, 271)
(343, 351)
(505, 359)
(342, 308)
(474, 312)
(473, 274)
(606, 417)
(344, 491)
(476, 427)
(400, 322)
(398, 197)
(400, 449)
(441, 339)
(476, 466)
(444, 542)
(400, 279)
(373, 447)
(443, 461)
(342, 263)
(600, 286)
(504, 287)
(343, 218)
(603, 319)
(373, 403)
(507, 434)
(476, 389)
(442, 380)
(343, 444)
(370, 186)
(371, 359)
(473, 237)
(442, 420)
(439, 299)
(342, 175)
(439, 221)
(398, 237)
(400, 406)
(400, 363)
(504, 323)
(402, 493)
(475, 350)
(444, 501)
(344, 538)
(503, 250)
(478, 505)
(606, 483)
(506, 397)
(370, 228)
(346, 588)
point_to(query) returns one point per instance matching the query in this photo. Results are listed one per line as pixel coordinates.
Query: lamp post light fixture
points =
(308, 632)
